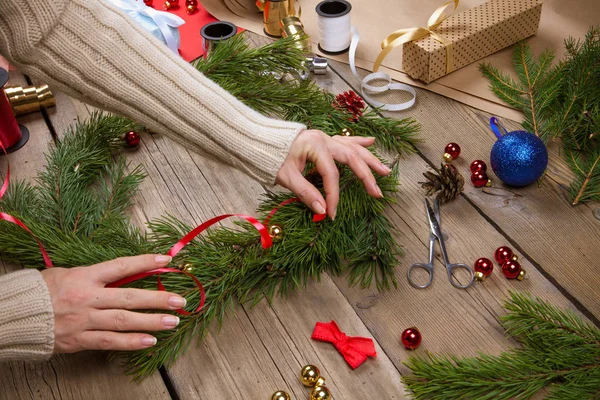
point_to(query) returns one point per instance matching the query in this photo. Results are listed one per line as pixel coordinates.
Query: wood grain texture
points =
(86, 375)
(561, 241)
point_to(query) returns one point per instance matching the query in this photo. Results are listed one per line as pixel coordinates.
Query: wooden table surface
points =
(262, 349)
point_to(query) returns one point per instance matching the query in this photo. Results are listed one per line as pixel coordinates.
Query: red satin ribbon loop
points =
(265, 238)
(158, 272)
(355, 349)
(316, 217)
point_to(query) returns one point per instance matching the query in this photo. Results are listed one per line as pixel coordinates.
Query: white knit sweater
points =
(94, 52)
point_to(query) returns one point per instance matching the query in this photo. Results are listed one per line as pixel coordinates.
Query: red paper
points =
(191, 41)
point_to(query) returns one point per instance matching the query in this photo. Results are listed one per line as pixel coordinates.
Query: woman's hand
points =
(88, 316)
(321, 149)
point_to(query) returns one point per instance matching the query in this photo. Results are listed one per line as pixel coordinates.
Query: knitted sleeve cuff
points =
(26, 317)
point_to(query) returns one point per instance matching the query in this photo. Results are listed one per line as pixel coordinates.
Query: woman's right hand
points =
(89, 316)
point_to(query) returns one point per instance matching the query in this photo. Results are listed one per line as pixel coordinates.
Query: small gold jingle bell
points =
(280, 395)
(488, 183)
(310, 375)
(479, 276)
(185, 267)
(515, 257)
(347, 132)
(320, 393)
(522, 275)
(447, 157)
(276, 232)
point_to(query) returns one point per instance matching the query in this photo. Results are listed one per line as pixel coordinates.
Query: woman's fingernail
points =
(170, 321)
(177, 302)
(162, 259)
(386, 168)
(379, 192)
(317, 207)
(148, 341)
(334, 214)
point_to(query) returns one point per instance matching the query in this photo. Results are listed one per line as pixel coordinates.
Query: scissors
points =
(435, 232)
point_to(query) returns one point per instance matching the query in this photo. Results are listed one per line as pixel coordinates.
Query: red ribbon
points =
(316, 217)
(355, 350)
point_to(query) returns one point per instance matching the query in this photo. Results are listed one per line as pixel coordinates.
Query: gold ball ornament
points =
(276, 232)
(447, 157)
(522, 275)
(479, 276)
(320, 381)
(280, 395)
(320, 393)
(310, 375)
(515, 257)
(347, 132)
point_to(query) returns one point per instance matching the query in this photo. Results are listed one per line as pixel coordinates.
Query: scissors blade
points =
(433, 216)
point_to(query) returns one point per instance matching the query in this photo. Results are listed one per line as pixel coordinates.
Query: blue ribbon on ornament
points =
(497, 128)
(166, 22)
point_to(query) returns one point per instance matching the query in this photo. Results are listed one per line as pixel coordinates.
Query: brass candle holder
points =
(26, 100)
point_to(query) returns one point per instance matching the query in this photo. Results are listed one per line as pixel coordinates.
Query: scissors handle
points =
(426, 267)
(451, 267)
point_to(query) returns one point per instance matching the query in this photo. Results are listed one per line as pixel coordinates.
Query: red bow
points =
(354, 349)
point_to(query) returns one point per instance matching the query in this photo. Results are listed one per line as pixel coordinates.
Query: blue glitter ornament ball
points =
(519, 158)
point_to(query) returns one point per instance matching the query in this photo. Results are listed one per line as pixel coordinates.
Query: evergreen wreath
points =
(78, 207)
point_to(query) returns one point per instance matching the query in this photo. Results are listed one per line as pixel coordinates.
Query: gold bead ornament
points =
(522, 275)
(276, 232)
(479, 276)
(347, 132)
(280, 395)
(310, 375)
(320, 393)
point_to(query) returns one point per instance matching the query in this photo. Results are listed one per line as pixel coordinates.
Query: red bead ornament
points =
(411, 338)
(148, 3)
(191, 6)
(132, 139)
(451, 152)
(478, 166)
(483, 267)
(511, 269)
(503, 254)
(479, 179)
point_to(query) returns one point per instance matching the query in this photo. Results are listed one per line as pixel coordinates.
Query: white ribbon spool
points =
(333, 21)
(150, 19)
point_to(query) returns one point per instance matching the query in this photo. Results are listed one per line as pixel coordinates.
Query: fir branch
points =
(560, 352)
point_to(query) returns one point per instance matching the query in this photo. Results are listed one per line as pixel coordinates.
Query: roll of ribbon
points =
(334, 26)
(26, 100)
(291, 26)
(215, 33)
(12, 135)
(273, 12)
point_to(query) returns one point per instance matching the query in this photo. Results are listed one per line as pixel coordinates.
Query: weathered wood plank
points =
(560, 240)
(86, 375)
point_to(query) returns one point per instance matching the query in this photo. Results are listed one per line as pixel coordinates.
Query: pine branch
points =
(560, 352)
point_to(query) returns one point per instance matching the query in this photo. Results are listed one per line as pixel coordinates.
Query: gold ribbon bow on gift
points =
(402, 36)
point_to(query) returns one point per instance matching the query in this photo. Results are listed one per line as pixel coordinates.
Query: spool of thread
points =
(316, 65)
(12, 135)
(273, 12)
(335, 30)
(291, 26)
(26, 100)
(215, 33)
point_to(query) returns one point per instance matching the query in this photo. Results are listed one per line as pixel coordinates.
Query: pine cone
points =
(448, 183)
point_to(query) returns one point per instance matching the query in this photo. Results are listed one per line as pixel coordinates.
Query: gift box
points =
(464, 38)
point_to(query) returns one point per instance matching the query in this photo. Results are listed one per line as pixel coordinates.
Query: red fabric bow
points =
(354, 349)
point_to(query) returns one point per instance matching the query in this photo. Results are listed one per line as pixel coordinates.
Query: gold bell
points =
(185, 267)
(26, 100)
(515, 257)
(310, 375)
(488, 183)
(522, 275)
(347, 132)
(276, 232)
(479, 276)
(171, 4)
(447, 157)
(320, 393)
(280, 395)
